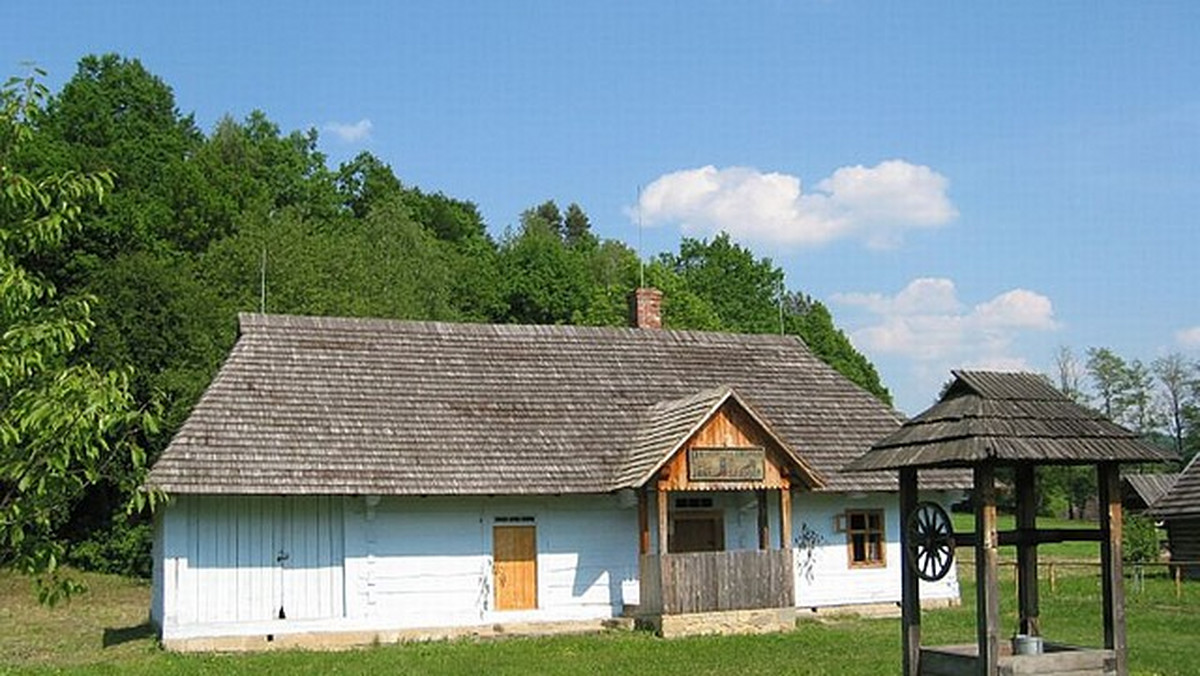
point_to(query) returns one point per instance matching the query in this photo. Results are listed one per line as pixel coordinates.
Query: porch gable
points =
(714, 441)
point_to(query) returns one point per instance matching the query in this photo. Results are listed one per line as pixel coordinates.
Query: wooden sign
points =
(726, 464)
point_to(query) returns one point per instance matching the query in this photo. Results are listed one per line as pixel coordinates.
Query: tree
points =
(64, 425)
(1070, 374)
(115, 115)
(546, 282)
(1108, 373)
(1178, 381)
(577, 229)
(547, 214)
(743, 291)
(1137, 399)
(810, 319)
(365, 181)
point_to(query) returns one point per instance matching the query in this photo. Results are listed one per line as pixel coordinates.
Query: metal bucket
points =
(1024, 644)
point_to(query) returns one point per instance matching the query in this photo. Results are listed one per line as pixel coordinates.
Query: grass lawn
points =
(104, 632)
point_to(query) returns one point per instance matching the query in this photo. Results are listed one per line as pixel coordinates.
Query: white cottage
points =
(360, 480)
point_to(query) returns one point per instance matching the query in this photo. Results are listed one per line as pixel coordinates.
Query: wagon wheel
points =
(930, 541)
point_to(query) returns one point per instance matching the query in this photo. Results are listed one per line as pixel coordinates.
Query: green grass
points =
(103, 632)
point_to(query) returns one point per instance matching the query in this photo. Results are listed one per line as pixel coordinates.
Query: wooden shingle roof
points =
(1183, 498)
(361, 406)
(1009, 417)
(1149, 488)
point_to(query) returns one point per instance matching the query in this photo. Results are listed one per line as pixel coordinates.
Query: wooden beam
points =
(1027, 579)
(764, 528)
(785, 518)
(910, 584)
(663, 498)
(1044, 536)
(1112, 573)
(987, 585)
(643, 506)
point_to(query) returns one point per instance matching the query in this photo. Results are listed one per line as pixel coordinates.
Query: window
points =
(865, 539)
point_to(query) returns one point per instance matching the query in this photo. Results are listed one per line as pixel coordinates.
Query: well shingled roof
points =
(1008, 417)
(363, 406)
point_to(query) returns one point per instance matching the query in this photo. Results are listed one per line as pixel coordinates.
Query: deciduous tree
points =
(1179, 381)
(64, 425)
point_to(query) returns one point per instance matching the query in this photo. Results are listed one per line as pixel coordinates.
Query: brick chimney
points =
(646, 308)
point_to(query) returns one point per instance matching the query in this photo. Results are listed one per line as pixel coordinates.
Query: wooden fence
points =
(710, 581)
(1049, 570)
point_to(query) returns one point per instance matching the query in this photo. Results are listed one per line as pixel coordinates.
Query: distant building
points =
(1140, 492)
(1179, 509)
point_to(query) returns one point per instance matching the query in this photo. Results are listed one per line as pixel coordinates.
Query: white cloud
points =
(351, 133)
(924, 330)
(1018, 309)
(1189, 338)
(925, 321)
(875, 204)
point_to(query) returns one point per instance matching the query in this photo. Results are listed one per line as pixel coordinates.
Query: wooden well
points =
(984, 422)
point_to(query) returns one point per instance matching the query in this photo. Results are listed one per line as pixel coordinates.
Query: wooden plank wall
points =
(246, 558)
(650, 583)
(711, 581)
(1184, 537)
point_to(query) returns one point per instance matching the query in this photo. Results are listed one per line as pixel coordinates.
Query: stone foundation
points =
(761, 621)
(344, 640)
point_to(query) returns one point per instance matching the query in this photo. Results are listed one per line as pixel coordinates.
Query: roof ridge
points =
(252, 322)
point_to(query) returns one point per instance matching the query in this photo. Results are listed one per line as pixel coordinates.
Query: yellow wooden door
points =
(514, 568)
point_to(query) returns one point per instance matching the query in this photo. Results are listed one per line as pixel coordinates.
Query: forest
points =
(131, 239)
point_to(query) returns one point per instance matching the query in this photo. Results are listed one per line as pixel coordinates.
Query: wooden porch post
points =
(910, 590)
(785, 518)
(663, 497)
(1112, 572)
(643, 498)
(1027, 559)
(764, 528)
(987, 586)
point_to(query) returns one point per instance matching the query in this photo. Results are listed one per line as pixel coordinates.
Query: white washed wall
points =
(237, 559)
(427, 562)
(399, 562)
(823, 573)
(390, 563)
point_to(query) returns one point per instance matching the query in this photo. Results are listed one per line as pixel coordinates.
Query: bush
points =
(123, 548)
(1140, 540)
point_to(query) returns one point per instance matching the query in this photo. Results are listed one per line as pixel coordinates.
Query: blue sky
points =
(964, 184)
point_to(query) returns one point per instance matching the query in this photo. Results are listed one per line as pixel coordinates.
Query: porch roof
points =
(670, 424)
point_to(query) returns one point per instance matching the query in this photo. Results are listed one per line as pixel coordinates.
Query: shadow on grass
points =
(113, 637)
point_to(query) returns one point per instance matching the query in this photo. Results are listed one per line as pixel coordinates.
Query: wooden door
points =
(514, 568)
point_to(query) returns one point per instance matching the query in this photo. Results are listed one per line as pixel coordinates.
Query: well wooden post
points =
(1112, 572)
(987, 585)
(785, 518)
(764, 528)
(1027, 559)
(910, 589)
